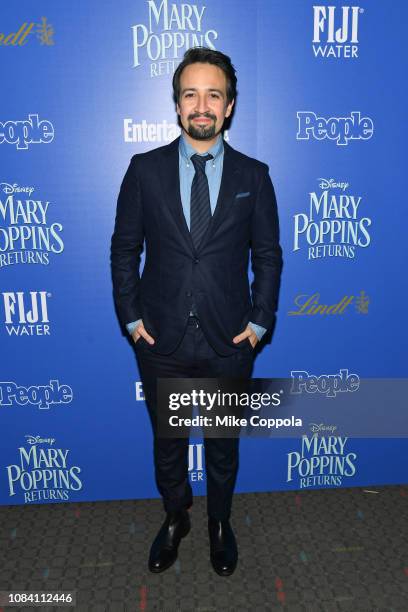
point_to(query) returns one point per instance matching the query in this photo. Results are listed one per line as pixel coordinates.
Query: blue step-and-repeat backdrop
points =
(85, 85)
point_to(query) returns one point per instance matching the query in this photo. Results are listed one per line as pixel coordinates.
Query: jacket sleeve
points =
(126, 247)
(266, 253)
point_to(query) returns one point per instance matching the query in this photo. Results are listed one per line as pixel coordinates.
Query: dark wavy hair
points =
(207, 56)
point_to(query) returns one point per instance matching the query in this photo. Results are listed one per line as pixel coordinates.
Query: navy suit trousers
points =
(193, 358)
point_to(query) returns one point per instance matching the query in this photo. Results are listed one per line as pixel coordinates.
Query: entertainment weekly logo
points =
(335, 31)
(321, 461)
(26, 313)
(26, 236)
(339, 129)
(25, 132)
(42, 472)
(40, 396)
(168, 31)
(333, 225)
(164, 131)
(195, 451)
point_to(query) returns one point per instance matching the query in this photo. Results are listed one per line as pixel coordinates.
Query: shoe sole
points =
(224, 574)
(221, 573)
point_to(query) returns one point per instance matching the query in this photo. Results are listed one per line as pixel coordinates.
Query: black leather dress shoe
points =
(163, 552)
(223, 547)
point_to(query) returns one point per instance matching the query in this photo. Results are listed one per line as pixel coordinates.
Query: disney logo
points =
(39, 440)
(316, 427)
(8, 189)
(332, 184)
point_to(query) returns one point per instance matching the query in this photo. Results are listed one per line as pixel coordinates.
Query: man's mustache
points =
(206, 115)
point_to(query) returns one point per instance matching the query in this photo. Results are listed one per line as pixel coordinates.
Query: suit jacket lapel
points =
(170, 176)
(169, 173)
(230, 171)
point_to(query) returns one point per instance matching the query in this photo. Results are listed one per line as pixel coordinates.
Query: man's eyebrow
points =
(209, 89)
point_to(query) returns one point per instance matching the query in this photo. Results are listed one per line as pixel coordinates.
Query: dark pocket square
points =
(243, 194)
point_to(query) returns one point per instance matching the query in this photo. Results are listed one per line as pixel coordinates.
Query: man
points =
(200, 206)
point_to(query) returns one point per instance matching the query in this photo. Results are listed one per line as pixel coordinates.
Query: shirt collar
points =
(187, 150)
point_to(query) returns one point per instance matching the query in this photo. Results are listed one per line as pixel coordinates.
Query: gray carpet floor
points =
(323, 550)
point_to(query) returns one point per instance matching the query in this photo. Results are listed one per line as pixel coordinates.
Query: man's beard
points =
(203, 132)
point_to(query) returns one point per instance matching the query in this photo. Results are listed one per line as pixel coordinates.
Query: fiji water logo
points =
(339, 129)
(26, 313)
(195, 462)
(335, 31)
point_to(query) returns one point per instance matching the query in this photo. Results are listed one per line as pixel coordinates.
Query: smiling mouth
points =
(202, 119)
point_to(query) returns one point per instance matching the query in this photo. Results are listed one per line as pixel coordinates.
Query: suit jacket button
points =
(196, 261)
(189, 293)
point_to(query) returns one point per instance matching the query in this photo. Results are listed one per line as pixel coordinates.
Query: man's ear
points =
(229, 108)
(177, 108)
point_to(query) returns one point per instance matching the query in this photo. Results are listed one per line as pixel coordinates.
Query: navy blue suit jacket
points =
(245, 220)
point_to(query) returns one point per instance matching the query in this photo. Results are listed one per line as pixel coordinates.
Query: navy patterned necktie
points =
(200, 208)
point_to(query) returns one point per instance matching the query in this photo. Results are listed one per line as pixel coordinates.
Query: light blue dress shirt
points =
(213, 171)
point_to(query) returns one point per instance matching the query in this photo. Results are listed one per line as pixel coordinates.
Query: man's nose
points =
(202, 104)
